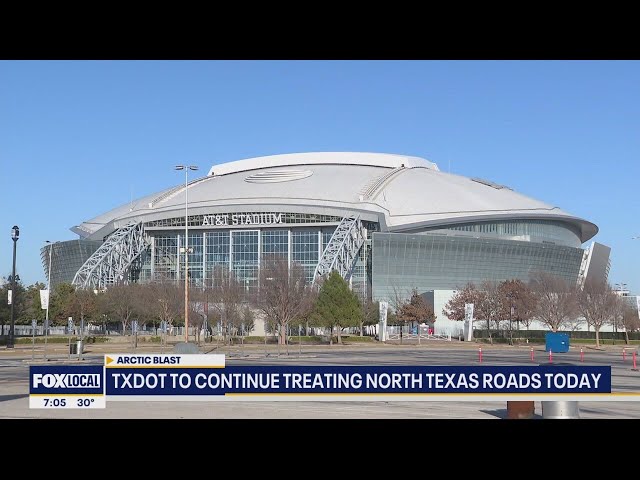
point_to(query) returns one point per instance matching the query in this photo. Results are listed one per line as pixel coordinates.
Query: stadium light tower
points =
(186, 169)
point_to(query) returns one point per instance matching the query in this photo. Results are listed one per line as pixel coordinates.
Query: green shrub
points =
(56, 339)
(505, 341)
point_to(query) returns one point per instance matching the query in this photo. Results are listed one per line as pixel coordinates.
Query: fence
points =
(482, 333)
(27, 330)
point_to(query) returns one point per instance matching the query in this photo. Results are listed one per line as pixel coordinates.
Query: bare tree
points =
(228, 296)
(518, 303)
(165, 299)
(454, 309)
(120, 302)
(85, 303)
(556, 303)
(490, 306)
(284, 294)
(145, 308)
(196, 320)
(625, 317)
(575, 324)
(371, 314)
(598, 305)
(398, 298)
(248, 319)
(527, 321)
(416, 310)
(214, 319)
(198, 309)
(629, 319)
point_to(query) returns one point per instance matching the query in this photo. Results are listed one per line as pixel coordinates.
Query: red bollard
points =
(532, 354)
(480, 354)
(581, 355)
(550, 356)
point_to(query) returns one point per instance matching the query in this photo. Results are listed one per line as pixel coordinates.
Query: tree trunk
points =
(339, 334)
(597, 329)
(223, 324)
(510, 332)
(361, 329)
(283, 334)
(331, 335)
(626, 337)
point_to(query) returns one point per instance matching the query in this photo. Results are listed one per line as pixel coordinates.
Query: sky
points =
(80, 137)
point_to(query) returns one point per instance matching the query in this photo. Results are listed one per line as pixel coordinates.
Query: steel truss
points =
(343, 248)
(110, 264)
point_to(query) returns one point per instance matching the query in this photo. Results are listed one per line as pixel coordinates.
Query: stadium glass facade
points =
(449, 258)
(389, 265)
(66, 258)
(302, 240)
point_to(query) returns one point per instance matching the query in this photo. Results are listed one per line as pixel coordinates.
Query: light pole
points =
(186, 169)
(46, 317)
(15, 234)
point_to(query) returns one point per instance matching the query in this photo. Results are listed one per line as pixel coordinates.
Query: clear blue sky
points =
(78, 138)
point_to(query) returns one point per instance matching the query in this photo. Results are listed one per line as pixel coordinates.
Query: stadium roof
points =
(403, 193)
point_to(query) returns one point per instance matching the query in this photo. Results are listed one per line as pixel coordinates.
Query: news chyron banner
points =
(207, 377)
(129, 377)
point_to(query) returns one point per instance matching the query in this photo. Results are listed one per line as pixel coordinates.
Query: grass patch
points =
(150, 339)
(358, 339)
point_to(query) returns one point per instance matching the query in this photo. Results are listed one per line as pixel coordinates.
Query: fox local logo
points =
(67, 380)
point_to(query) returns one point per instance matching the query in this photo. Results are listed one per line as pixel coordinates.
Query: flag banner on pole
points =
(44, 299)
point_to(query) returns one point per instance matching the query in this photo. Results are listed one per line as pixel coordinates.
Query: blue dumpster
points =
(557, 342)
